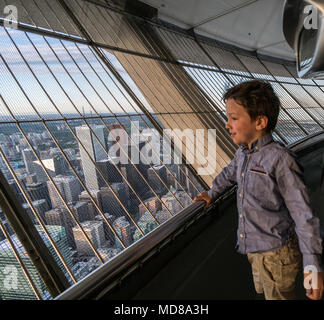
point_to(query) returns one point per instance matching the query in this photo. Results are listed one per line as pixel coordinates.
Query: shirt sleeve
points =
(289, 175)
(224, 180)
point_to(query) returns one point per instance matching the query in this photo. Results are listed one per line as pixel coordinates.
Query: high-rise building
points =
(123, 229)
(14, 284)
(29, 158)
(153, 204)
(155, 182)
(96, 153)
(40, 206)
(110, 202)
(62, 217)
(14, 187)
(97, 197)
(109, 171)
(94, 231)
(37, 191)
(69, 187)
(30, 178)
(109, 235)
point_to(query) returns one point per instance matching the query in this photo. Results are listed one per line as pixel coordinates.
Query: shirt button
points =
(243, 174)
(242, 235)
(241, 215)
(240, 195)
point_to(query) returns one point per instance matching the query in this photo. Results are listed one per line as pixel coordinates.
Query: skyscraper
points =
(38, 191)
(109, 171)
(41, 206)
(95, 232)
(123, 229)
(155, 182)
(29, 159)
(69, 187)
(109, 201)
(92, 146)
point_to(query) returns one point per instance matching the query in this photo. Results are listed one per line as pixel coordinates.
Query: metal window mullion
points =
(44, 16)
(319, 106)
(203, 82)
(124, 84)
(186, 97)
(59, 19)
(223, 135)
(307, 85)
(172, 156)
(98, 170)
(125, 152)
(162, 105)
(136, 127)
(284, 110)
(211, 92)
(160, 88)
(36, 213)
(129, 135)
(198, 96)
(71, 130)
(297, 108)
(166, 94)
(204, 95)
(291, 94)
(41, 163)
(17, 256)
(65, 118)
(93, 201)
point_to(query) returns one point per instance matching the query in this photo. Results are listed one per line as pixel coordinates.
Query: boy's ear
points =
(261, 122)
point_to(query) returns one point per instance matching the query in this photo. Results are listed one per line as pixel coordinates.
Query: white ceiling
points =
(249, 24)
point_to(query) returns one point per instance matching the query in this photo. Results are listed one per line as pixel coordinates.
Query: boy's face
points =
(242, 128)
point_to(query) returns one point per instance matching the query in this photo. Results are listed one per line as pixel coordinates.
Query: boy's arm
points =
(291, 185)
(224, 180)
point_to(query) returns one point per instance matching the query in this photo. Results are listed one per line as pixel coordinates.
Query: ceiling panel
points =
(249, 24)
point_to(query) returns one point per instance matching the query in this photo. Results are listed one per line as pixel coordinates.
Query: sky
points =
(102, 94)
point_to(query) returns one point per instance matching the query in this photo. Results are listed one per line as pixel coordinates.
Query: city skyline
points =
(52, 208)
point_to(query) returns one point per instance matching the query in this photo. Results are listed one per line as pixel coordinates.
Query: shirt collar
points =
(257, 144)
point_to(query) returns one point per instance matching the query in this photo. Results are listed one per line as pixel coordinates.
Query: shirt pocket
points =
(262, 188)
(258, 182)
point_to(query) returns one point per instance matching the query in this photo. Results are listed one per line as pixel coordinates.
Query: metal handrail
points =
(132, 256)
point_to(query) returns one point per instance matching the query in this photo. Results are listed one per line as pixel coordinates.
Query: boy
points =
(275, 215)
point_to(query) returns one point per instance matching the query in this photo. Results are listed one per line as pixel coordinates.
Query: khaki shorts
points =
(274, 272)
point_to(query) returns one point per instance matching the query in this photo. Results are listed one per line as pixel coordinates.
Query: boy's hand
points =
(315, 293)
(204, 197)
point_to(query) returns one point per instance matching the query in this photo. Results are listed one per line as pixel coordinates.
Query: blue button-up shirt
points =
(272, 200)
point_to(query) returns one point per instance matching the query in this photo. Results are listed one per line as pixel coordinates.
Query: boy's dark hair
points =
(258, 98)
